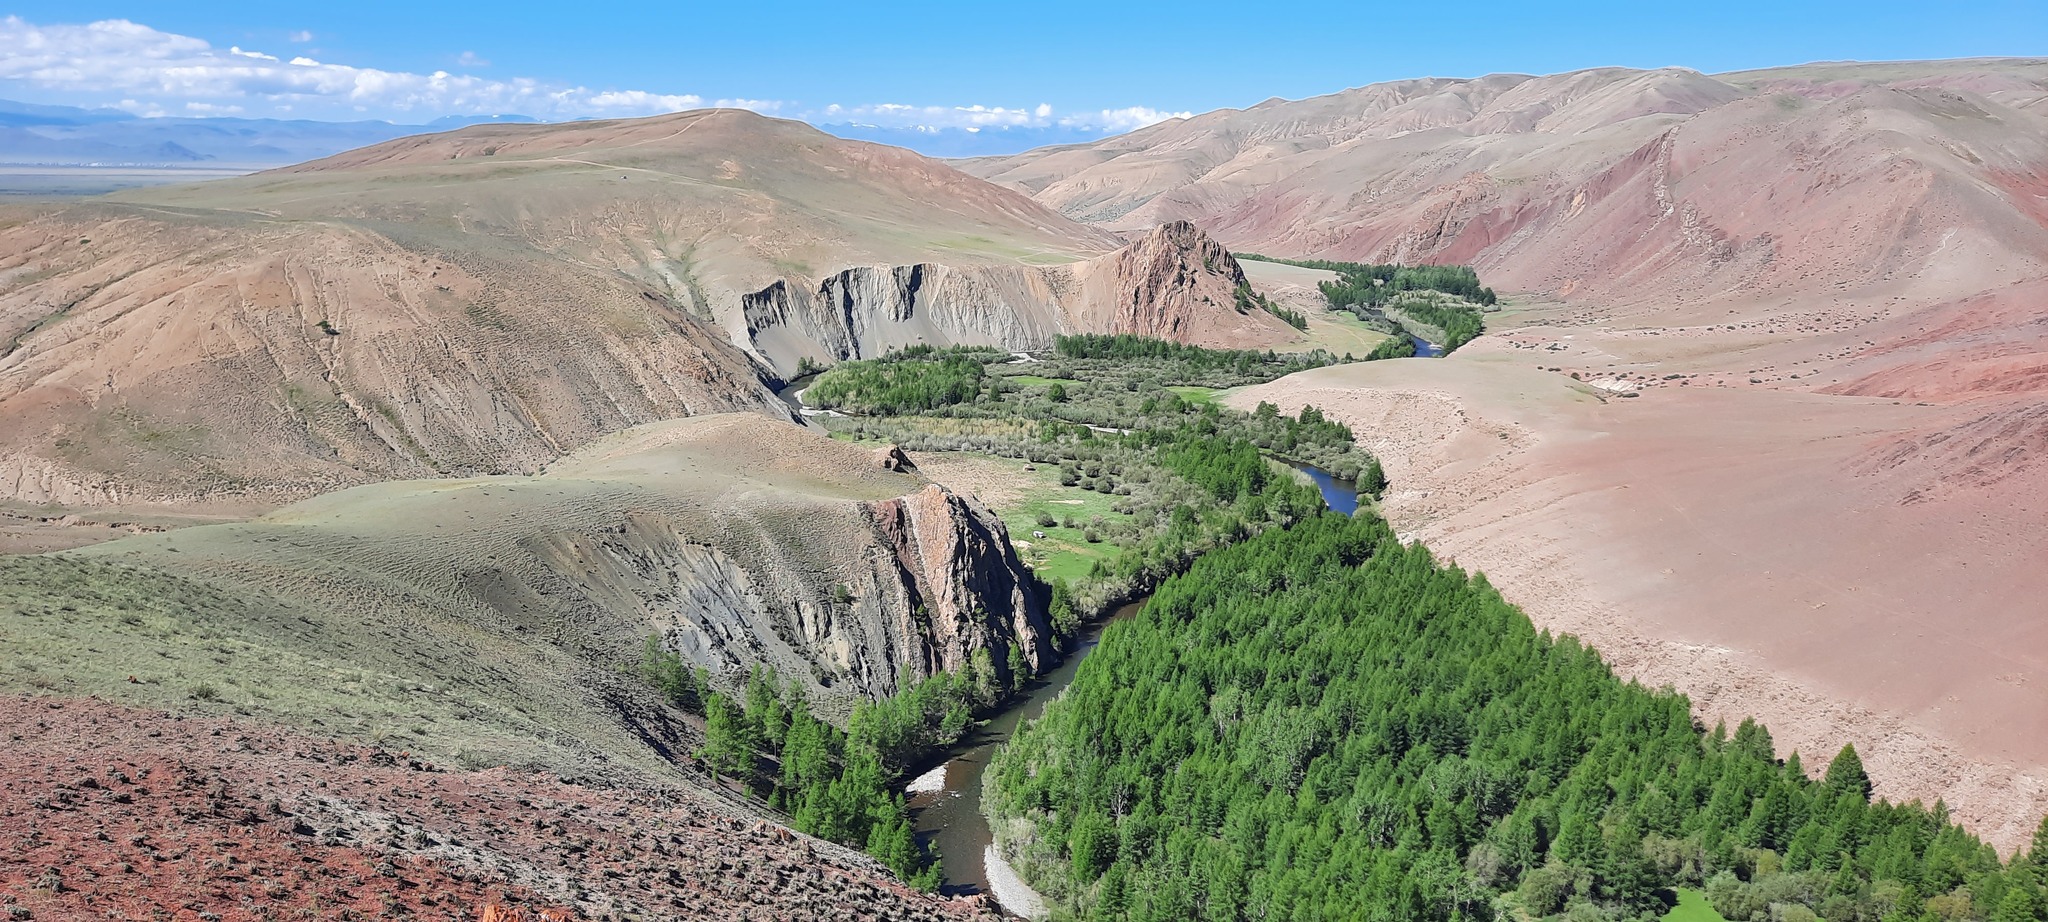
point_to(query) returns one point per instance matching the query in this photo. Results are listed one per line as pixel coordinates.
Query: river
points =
(1339, 495)
(946, 801)
(948, 810)
(793, 395)
(1426, 349)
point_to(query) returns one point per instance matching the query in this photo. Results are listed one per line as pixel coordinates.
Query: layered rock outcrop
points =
(1175, 283)
(963, 589)
(736, 539)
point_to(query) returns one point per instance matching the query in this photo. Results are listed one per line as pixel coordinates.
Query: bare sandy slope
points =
(485, 301)
(1666, 186)
(1743, 543)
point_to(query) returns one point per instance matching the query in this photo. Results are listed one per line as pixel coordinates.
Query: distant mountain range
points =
(66, 135)
(70, 136)
(987, 141)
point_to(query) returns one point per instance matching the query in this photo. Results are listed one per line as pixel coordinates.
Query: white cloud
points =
(149, 70)
(1125, 119)
(977, 117)
(154, 73)
(763, 106)
(134, 107)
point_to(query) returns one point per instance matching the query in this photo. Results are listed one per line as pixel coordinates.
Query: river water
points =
(1340, 495)
(1426, 349)
(948, 810)
(945, 802)
(792, 395)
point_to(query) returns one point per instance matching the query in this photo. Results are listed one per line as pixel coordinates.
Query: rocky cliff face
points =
(855, 599)
(870, 310)
(1174, 282)
(737, 539)
(962, 587)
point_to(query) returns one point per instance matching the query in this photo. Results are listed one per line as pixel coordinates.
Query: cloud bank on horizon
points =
(125, 65)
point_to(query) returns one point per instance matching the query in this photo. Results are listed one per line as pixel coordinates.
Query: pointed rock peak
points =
(1182, 241)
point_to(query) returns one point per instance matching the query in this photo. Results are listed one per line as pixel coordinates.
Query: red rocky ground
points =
(113, 813)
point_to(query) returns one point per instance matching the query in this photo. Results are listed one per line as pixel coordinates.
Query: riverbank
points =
(946, 801)
(946, 810)
(1695, 536)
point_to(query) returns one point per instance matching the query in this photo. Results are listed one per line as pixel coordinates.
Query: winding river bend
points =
(946, 801)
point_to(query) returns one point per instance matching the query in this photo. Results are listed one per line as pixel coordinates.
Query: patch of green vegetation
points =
(1400, 347)
(1323, 722)
(913, 380)
(1038, 380)
(1247, 300)
(1067, 516)
(1143, 469)
(1692, 907)
(1343, 333)
(1449, 323)
(835, 784)
(1440, 303)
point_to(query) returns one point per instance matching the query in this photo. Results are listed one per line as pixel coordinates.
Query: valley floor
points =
(1766, 549)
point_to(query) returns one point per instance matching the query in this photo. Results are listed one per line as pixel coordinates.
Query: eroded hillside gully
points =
(946, 800)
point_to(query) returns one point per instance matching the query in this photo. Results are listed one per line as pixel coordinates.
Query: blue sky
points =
(1090, 67)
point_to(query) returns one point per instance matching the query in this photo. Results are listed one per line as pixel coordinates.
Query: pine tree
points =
(728, 739)
(1846, 775)
(2021, 904)
(769, 719)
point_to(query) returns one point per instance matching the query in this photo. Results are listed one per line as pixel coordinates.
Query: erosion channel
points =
(946, 801)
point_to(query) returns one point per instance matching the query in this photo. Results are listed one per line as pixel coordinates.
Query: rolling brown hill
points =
(487, 300)
(1763, 417)
(1615, 185)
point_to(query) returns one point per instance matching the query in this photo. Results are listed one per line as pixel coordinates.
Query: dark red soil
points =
(108, 812)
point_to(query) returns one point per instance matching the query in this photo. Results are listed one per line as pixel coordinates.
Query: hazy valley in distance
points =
(1607, 494)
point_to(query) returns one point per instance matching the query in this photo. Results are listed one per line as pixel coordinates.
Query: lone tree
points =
(1846, 773)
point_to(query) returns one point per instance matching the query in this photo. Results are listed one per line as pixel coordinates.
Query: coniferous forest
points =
(1323, 723)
